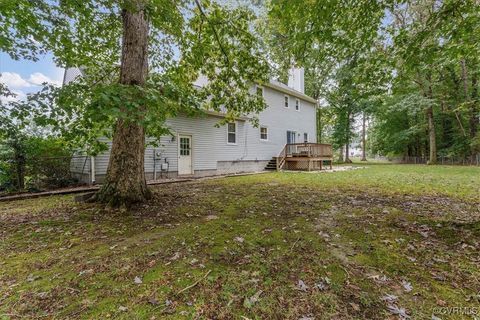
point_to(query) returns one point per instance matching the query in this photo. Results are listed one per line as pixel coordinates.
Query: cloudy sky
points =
(23, 76)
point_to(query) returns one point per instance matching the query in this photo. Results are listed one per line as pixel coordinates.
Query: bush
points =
(34, 163)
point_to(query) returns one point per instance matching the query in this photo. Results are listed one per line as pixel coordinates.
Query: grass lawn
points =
(386, 241)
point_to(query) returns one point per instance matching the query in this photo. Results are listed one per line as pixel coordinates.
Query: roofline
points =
(292, 92)
(224, 115)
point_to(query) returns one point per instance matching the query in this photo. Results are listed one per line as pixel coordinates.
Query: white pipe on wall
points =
(92, 169)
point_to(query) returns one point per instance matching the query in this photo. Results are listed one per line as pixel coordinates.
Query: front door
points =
(185, 154)
(290, 137)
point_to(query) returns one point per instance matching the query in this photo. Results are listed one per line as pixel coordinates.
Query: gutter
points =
(289, 91)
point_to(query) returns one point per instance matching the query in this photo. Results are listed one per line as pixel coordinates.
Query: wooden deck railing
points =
(304, 150)
(281, 158)
(310, 150)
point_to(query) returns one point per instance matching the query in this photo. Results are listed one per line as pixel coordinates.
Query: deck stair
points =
(272, 164)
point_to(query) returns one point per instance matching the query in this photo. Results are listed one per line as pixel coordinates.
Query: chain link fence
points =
(443, 160)
(37, 174)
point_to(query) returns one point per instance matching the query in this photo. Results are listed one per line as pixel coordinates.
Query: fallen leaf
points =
(302, 286)
(249, 302)
(239, 239)
(355, 306)
(401, 312)
(389, 298)
(407, 286)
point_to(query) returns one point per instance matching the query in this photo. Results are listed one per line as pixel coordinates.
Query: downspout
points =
(92, 169)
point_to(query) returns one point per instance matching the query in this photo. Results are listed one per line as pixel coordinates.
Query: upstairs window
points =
(297, 104)
(305, 137)
(286, 101)
(263, 133)
(232, 133)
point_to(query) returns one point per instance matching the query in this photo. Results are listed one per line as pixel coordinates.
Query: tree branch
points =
(217, 38)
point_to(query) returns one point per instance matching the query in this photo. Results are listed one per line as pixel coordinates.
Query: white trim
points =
(92, 169)
(291, 92)
(192, 159)
(236, 133)
(288, 101)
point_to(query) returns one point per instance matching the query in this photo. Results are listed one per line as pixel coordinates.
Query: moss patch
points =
(276, 246)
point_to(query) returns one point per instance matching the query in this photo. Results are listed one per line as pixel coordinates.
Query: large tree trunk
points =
(125, 180)
(364, 140)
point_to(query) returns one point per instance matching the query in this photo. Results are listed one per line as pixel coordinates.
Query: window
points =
(305, 137)
(259, 91)
(286, 101)
(184, 146)
(232, 133)
(263, 133)
(297, 104)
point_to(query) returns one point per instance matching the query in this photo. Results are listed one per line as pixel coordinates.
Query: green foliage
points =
(33, 162)
(402, 58)
(186, 39)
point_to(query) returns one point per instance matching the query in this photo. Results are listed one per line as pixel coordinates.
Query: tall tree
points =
(162, 47)
(125, 180)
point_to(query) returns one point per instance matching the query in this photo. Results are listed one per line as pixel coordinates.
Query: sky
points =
(24, 76)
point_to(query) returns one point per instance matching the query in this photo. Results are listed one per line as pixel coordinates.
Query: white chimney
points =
(296, 79)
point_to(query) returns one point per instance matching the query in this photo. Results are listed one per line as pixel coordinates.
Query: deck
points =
(305, 156)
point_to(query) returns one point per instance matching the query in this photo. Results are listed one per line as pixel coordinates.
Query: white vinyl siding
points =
(209, 141)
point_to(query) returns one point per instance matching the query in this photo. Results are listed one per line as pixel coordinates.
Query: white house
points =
(199, 148)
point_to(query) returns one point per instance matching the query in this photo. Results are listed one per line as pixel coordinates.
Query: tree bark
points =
(125, 181)
(432, 142)
(319, 125)
(340, 155)
(364, 140)
(20, 168)
(347, 144)
(432, 145)
(474, 117)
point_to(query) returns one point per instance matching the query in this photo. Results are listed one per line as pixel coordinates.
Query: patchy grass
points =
(271, 246)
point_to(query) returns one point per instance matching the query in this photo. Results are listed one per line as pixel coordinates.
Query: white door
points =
(185, 154)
